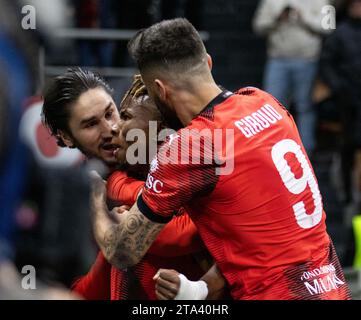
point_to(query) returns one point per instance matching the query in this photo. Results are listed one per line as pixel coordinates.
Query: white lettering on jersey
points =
(258, 121)
(305, 220)
(154, 184)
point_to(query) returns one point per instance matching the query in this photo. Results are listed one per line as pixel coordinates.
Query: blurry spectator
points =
(3, 124)
(132, 14)
(15, 76)
(340, 70)
(53, 225)
(18, 76)
(96, 14)
(138, 14)
(54, 230)
(293, 29)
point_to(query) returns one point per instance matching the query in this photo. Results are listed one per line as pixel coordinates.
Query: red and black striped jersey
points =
(241, 172)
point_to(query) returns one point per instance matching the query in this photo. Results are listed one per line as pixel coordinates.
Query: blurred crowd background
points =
(290, 48)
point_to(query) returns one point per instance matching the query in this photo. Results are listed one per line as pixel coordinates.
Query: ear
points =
(67, 140)
(209, 62)
(161, 89)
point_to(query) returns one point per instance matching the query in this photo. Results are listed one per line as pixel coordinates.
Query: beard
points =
(91, 155)
(169, 118)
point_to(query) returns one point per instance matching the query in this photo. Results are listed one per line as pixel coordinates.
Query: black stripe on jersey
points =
(150, 214)
(224, 95)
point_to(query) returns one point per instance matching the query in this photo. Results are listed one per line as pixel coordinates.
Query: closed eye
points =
(125, 116)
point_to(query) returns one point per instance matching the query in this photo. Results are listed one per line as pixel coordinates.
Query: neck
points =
(188, 104)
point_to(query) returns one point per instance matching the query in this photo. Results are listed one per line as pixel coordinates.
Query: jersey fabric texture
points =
(178, 246)
(262, 221)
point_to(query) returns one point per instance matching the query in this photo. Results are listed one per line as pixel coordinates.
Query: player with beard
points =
(263, 222)
(80, 112)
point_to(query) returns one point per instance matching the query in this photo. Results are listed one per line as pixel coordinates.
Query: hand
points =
(117, 211)
(167, 284)
(121, 209)
(172, 285)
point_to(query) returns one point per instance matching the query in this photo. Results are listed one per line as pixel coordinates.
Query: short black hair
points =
(168, 44)
(62, 93)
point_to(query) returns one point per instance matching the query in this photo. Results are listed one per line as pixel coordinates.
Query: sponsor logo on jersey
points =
(154, 184)
(321, 280)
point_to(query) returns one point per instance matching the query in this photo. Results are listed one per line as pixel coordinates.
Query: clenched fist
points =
(167, 284)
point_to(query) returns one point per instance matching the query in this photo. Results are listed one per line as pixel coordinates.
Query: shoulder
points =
(250, 91)
(256, 96)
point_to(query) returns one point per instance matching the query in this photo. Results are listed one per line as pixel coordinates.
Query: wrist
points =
(191, 290)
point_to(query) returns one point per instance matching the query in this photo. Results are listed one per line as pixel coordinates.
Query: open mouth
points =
(110, 148)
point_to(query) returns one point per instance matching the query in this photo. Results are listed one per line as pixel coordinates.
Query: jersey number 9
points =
(298, 185)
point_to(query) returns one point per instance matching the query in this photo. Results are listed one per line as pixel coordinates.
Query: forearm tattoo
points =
(126, 243)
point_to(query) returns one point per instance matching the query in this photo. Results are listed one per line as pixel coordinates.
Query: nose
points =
(115, 129)
(110, 129)
(122, 125)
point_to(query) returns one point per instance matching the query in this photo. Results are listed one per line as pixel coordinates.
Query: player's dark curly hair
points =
(62, 93)
(171, 44)
(136, 90)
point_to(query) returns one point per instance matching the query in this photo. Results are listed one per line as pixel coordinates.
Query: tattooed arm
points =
(123, 239)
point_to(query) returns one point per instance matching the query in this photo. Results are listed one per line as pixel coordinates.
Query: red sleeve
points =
(183, 169)
(179, 237)
(95, 285)
(122, 188)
